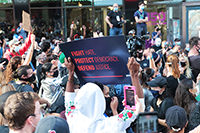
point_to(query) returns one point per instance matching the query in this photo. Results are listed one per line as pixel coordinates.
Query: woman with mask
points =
(23, 78)
(184, 67)
(161, 101)
(185, 95)
(172, 73)
(49, 81)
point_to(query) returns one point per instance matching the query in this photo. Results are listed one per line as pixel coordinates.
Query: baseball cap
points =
(3, 99)
(14, 41)
(158, 81)
(176, 118)
(52, 124)
(148, 32)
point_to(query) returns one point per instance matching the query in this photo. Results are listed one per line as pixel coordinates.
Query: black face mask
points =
(55, 74)
(183, 64)
(139, 55)
(108, 101)
(30, 79)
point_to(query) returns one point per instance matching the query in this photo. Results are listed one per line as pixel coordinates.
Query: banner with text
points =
(101, 59)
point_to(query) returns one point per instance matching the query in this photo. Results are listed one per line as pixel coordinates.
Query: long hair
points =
(183, 97)
(173, 62)
(188, 72)
(45, 68)
(12, 67)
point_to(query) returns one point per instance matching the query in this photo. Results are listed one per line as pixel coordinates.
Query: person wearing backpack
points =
(24, 77)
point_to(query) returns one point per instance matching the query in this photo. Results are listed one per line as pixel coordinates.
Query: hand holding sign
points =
(70, 65)
(99, 59)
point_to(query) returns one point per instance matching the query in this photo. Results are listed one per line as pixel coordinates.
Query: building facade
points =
(54, 17)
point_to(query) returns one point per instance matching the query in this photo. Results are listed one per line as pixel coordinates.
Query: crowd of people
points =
(40, 91)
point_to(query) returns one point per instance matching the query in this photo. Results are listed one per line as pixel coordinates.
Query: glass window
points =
(45, 3)
(79, 3)
(79, 17)
(157, 15)
(47, 22)
(6, 3)
(99, 21)
(107, 2)
(6, 19)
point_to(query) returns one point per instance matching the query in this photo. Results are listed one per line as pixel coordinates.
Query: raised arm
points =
(71, 31)
(70, 82)
(84, 31)
(133, 67)
(30, 52)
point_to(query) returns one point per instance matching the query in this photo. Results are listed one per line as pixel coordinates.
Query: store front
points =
(53, 18)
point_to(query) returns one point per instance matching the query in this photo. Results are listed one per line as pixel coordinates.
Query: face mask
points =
(183, 64)
(142, 7)
(178, 43)
(187, 49)
(55, 74)
(30, 79)
(158, 44)
(155, 93)
(115, 9)
(76, 39)
(108, 101)
(17, 48)
(140, 55)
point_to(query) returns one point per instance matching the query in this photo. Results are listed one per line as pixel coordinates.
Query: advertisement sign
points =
(101, 59)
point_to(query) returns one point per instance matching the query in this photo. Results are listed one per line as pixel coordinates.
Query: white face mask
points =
(17, 48)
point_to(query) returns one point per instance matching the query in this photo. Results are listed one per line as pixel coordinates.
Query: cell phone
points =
(129, 96)
(147, 122)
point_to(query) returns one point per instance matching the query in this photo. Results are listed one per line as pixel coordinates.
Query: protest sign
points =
(101, 59)
(26, 21)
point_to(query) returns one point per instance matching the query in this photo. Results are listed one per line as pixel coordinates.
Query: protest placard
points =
(26, 21)
(101, 59)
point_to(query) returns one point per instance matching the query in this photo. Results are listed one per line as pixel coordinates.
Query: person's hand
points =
(111, 26)
(181, 69)
(1, 65)
(138, 108)
(165, 72)
(152, 50)
(84, 27)
(114, 103)
(198, 78)
(71, 26)
(69, 64)
(124, 21)
(133, 66)
(32, 37)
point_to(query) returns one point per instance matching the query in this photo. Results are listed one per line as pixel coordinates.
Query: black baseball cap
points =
(176, 118)
(158, 81)
(3, 99)
(52, 124)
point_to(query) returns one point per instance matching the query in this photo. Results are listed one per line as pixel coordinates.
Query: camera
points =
(120, 23)
(136, 43)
